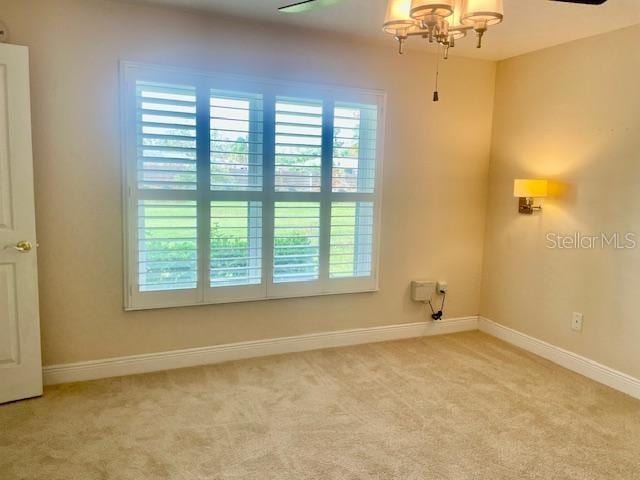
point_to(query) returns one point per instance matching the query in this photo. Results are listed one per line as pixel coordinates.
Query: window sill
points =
(137, 308)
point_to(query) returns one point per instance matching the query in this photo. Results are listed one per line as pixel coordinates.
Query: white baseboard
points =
(153, 362)
(572, 361)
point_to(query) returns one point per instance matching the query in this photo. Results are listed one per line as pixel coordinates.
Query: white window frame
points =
(130, 73)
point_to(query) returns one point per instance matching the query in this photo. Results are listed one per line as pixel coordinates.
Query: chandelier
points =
(441, 21)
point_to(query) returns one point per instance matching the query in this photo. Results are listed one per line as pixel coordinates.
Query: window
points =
(240, 189)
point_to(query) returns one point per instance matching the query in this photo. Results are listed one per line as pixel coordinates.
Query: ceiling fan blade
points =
(583, 2)
(307, 5)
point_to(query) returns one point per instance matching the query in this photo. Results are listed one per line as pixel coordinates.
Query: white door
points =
(20, 361)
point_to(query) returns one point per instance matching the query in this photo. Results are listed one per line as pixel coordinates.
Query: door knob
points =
(22, 246)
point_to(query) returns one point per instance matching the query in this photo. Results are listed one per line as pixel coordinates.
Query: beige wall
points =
(572, 114)
(436, 162)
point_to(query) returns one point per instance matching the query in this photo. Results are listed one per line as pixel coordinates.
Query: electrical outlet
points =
(576, 321)
(4, 34)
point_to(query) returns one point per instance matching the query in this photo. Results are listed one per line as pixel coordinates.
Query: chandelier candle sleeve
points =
(477, 12)
(428, 9)
(397, 20)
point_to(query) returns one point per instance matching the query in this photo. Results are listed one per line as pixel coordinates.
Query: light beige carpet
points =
(463, 406)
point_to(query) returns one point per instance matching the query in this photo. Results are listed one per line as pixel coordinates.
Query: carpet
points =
(463, 406)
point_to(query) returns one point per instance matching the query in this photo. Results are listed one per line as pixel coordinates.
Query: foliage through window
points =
(240, 189)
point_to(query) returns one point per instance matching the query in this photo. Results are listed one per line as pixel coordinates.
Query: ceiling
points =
(529, 24)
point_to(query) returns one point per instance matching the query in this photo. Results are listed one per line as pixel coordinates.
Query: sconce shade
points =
(397, 20)
(421, 9)
(525, 188)
(488, 12)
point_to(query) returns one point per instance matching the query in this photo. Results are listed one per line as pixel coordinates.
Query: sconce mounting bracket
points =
(526, 206)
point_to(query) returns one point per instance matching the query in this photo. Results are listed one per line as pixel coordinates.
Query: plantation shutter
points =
(166, 120)
(296, 242)
(354, 148)
(298, 145)
(353, 175)
(236, 141)
(166, 263)
(238, 189)
(236, 243)
(167, 245)
(351, 239)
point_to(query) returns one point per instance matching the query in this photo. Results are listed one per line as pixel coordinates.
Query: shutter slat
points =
(142, 125)
(166, 137)
(166, 112)
(161, 101)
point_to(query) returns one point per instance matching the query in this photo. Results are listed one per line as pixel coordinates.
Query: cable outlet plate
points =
(422, 291)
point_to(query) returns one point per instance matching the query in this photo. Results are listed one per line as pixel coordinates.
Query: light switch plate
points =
(577, 320)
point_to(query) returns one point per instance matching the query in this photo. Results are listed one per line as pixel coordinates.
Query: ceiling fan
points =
(585, 2)
(308, 5)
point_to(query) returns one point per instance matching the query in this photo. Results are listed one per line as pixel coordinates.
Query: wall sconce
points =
(527, 191)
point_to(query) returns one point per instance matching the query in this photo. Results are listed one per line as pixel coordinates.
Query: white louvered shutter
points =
(241, 189)
(298, 161)
(166, 162)
(236, 243)
(166, 121)
(353, 175)
(236, 141)
(296, 242)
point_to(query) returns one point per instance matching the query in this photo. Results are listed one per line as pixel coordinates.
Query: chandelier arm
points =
(462, 28)
(423, 32)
